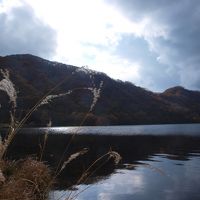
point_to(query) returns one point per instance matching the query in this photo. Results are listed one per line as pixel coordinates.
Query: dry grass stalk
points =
(90, 171)
(96, 95)
(73, 157)
(45, 139)
(32, 180)
(116, 156)
(2, 178)
(111, 155)
(7, 86)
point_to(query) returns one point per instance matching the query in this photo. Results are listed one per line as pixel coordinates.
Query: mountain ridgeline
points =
(67, 94)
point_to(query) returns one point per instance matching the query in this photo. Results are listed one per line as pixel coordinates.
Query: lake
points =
(163, 176)
(158, 161)
(167, 129)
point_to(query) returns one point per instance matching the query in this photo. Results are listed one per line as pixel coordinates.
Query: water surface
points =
(158, 161)
(166, 177)
(168, 129)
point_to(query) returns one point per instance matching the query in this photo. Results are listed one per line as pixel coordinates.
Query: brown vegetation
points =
(24, 180)
(121, 103)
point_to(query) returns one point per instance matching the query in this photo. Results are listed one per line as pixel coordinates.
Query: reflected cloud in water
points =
(179, 181)
(159, 161)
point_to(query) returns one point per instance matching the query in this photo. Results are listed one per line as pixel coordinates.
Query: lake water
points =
(158, 161)
(168, 129)
(173, 176)
(165, 177)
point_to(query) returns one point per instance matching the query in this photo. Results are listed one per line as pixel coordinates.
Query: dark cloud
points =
(136, 50)
(179, 48)
(23, 32)
(137, 9)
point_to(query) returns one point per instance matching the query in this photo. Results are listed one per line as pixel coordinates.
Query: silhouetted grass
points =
(31, 179)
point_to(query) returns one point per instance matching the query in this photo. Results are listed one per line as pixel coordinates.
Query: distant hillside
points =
(120, 103)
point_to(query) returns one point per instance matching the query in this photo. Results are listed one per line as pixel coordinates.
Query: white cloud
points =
(88, 33)
(172, 32)
(92, 33)
(118, 68)
(22, 32)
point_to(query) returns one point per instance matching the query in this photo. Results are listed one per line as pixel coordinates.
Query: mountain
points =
(71, 93)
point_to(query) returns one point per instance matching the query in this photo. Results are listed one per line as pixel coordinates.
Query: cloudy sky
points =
(154, 44)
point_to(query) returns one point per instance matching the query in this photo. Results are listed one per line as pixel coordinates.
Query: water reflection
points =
(159, 162)
(167, 129)
(179, 180)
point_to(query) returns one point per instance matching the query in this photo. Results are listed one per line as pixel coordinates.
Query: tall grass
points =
(24, 180)
(32, 179)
